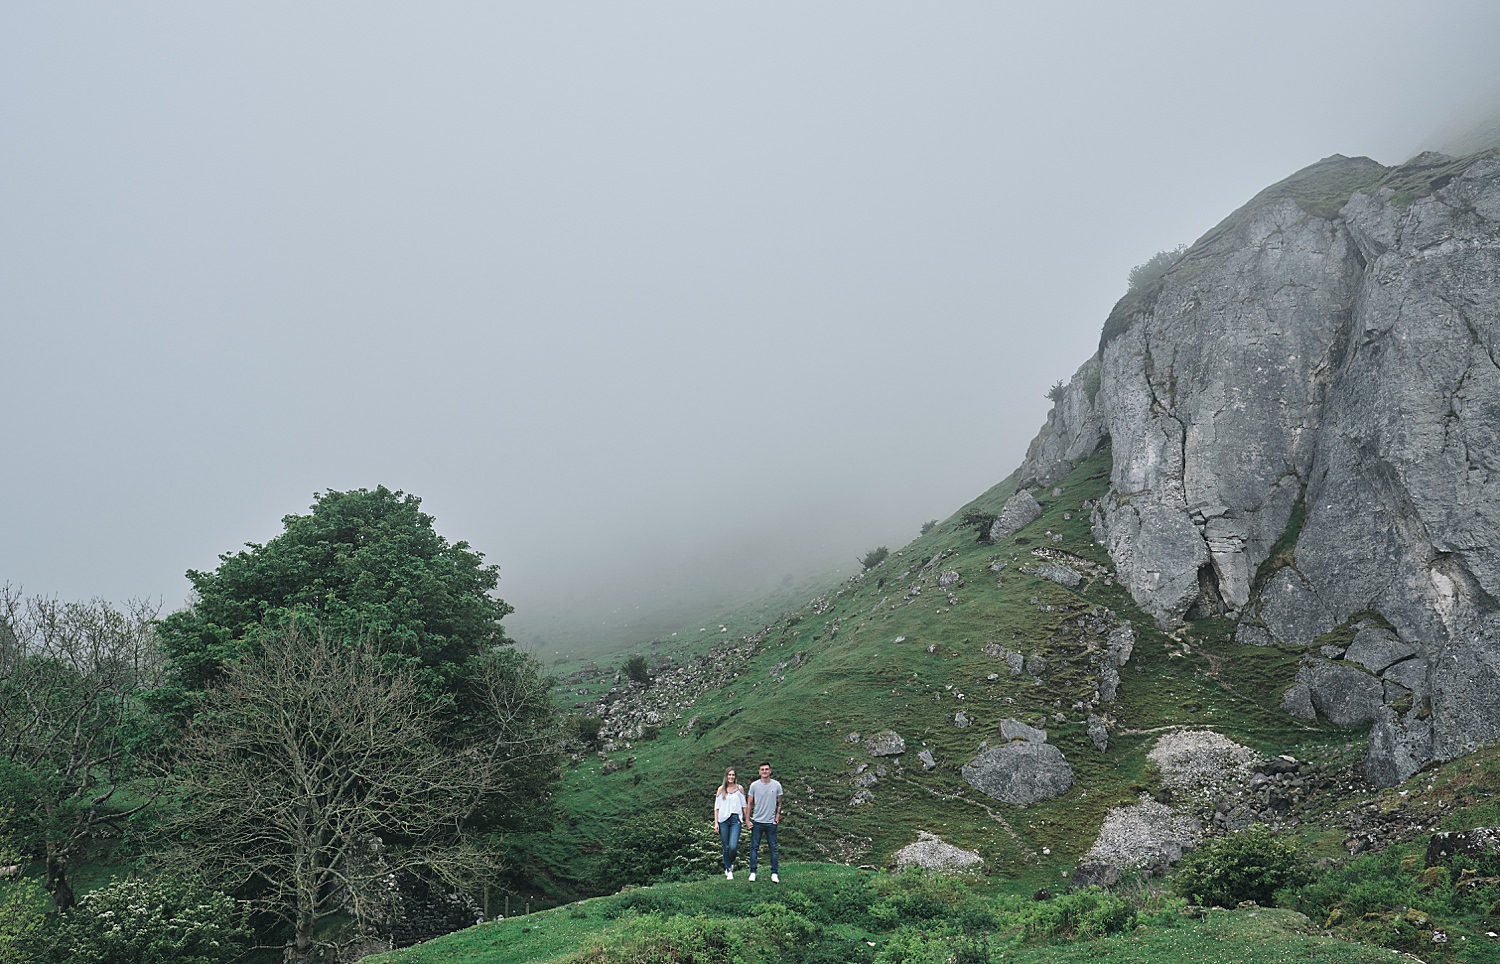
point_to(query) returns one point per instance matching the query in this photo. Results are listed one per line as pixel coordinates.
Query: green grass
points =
(847, 914)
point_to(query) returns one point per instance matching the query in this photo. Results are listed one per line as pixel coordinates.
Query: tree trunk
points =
(57, 880)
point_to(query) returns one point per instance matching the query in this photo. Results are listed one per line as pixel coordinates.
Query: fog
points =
(647, 302)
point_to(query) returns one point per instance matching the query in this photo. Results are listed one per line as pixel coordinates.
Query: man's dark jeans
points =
(756, 829)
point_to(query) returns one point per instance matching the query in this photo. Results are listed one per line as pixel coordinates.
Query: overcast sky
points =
(642, 299)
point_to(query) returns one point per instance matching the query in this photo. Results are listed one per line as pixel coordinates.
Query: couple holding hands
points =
(759, 804)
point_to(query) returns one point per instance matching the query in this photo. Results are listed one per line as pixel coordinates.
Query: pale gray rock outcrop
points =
(1055, 572)
(1020, 773)
(1319, 375)
(1098, 732)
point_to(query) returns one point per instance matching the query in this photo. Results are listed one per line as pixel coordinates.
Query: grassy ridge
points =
(890, 650)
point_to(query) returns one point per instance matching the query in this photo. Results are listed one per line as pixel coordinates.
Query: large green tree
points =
(366, 563)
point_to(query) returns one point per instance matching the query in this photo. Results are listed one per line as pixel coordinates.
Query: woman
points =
(730, 813)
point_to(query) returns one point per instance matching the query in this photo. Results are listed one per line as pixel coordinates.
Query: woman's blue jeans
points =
(729, 837)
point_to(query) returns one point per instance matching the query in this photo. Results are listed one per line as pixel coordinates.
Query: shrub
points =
(1055, 393)
(23, 908)
(1154, 267)
(784, 928)
(909, 946)
(588, 728)
(874, 557)
(1249, 865)
(928, 526)
(1081, 914)
(672, 940)
(675, 845)
(138, 921)
(980, 522)
(635, 670)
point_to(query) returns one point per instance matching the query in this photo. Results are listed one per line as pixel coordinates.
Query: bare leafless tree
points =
(72, 727)
(314, 774)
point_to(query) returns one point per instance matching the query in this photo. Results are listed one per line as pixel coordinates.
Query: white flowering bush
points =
(138, 921)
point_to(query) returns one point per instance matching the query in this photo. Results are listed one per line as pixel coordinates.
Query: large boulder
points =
(1018, 511)
(1021, 773)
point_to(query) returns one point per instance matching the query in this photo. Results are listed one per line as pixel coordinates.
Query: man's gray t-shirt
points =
(764, 798)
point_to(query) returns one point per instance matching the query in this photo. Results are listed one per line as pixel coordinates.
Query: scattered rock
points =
(885, 743)
(1012, 729)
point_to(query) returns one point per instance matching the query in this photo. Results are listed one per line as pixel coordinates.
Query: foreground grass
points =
(1248, 936)
(832, 913)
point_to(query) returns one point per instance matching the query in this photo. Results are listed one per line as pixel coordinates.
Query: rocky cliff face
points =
(1304, 415)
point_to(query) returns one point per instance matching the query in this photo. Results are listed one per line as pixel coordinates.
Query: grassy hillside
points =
(894, 649)
(891, 649)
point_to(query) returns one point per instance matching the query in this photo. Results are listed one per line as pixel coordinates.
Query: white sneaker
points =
(775, 879)
(752, 875)
(728, 875)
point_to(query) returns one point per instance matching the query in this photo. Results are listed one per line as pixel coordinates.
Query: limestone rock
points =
(1377, 649)
(885, 743)
(1325, 378)
(1020, 773)
(1011, 729)
(1094, 873)
(1019, 510)
(1098, 733)
(1475, 843)
(1341, 693)
(1297, 701)
(1056, 572)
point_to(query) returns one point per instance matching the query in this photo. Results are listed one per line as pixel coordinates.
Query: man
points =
(765, 815)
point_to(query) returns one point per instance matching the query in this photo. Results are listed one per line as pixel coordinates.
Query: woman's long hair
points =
(724, 787)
